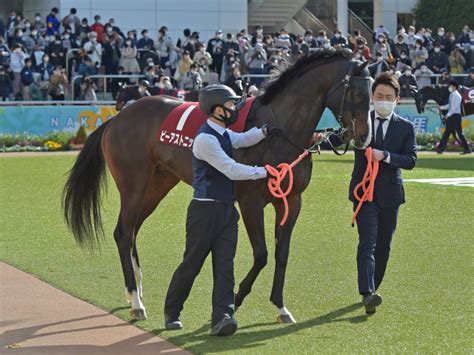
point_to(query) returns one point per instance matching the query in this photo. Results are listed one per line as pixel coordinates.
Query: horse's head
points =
(420, 99)
(349, 100)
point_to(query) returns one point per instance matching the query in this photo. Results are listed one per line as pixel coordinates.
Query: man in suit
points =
(394, 146)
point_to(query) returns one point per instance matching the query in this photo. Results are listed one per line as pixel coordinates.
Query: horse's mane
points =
(280, 80)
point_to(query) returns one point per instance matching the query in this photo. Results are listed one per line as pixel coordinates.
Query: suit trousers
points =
(453, 125)
(211, 227)
(376, 226)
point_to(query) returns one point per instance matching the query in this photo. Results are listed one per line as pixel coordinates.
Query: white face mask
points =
(384, 108)
(437, 50)
(441, 33)
(451, 89)
(37, 18)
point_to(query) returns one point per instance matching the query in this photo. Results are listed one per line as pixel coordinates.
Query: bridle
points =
(345, 83)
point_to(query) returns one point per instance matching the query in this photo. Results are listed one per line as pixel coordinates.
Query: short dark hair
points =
(73, 11)
(389, 79)
(55, 10)
(454, 83)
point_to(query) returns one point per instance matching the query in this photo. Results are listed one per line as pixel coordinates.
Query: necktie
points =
(226, 135)
(379, 133)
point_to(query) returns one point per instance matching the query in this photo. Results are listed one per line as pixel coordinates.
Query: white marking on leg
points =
(138, 275)
(285, 312)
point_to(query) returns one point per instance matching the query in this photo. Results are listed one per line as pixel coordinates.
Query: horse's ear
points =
(413, 90)
(360, 68)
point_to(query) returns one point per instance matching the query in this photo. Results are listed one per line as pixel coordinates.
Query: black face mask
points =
(230, 120)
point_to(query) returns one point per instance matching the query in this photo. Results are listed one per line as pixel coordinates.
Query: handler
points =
(211, 224)
(394, 146)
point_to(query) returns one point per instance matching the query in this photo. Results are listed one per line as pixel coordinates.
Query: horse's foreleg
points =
(282, 249)
(252, 214)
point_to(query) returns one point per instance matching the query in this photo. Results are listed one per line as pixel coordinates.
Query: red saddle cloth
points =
(181, 124)
(467, 95)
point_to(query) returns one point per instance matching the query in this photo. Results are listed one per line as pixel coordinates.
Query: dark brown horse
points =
(130, 92)
(145, 170)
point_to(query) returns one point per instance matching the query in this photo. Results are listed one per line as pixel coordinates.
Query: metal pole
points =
(342, 16)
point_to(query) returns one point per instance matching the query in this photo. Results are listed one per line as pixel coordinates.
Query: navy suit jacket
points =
(400, 142)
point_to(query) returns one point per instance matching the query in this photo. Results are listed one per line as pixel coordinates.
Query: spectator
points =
(193, 44)
(2, 26)
(192, 79)
(72, 21)
(469, 80)
(202, 54)
(5, 83)
(442, 39)
(235, 82)
(204, 71)
(111, 54)
(258, 32)
(27, 29)
(231, 61)
(86, 68)
(45, 70)
(98, 28)
(322, 40)
(437, 59)
(402, 61)
(143, 87)
(299, 45)
(34, 90)
(94, 49)
(56, 51)
(164, 44)
(445, 77)
(34, 41)
(423, 76)
(310, 40)
(411, 39)
(88, 88)
(256, 59)
(117, 83)
(4, 52)
(456, 62)
(267, 40)
(26, 76)
(464, 37)
(172, 62)
(407, 82)
(183, 66)
(339, 41)
(231, 46)
(83, 30)
(244, 43)
(400, 46)
(183, 41)
(215, 46)
(39, 25)
(11, 27)
(128, 58)
(17, 63)
(18, 39)
(364, 49)
(378, 67)
(150, 74)
(451, 43)
(145, 42)
(418, 55)
(59, 84)
(164, 82)
(381, 46)
(52, 22)
(283, 39)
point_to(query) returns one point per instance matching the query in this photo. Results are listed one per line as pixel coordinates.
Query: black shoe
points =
(467, 151)
(227, 326)
(439, 151)
(172, 323)
(371, 302)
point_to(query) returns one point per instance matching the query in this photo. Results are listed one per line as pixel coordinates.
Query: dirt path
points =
(36, 318)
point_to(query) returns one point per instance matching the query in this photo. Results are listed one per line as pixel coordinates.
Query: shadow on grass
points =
(257, 338)
(466, 164)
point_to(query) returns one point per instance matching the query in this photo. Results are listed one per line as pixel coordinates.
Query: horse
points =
(440, 94)
(145, 170)
(130, 92)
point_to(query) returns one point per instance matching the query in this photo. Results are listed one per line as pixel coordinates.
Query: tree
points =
(450, 14)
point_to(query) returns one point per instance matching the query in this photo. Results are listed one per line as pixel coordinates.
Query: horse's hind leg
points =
(282, 249)
(157, 189)
(252, 214)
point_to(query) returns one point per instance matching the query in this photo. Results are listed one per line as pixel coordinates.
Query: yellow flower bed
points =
(52, 145)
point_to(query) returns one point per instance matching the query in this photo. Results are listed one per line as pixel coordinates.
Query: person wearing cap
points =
(211, 223)
(256, 59)
(453, 120)
(143, 87)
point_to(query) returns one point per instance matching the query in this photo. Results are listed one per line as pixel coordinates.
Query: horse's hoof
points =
(286, 319)
(138, 314)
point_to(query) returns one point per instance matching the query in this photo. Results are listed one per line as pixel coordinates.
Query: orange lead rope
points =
(274, 182)
(367, 183)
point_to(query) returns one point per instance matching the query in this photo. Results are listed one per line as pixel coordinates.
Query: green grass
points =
(428, 290)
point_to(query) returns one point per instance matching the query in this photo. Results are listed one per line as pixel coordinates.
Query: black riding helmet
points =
(217, 95)
(144, 83)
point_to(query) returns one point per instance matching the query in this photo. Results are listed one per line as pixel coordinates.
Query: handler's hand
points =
(317, 138)
(377, 155)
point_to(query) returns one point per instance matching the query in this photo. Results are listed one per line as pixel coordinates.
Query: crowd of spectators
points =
(35, 65)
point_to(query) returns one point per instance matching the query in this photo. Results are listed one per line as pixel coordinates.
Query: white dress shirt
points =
(206, 147)
(386, 123)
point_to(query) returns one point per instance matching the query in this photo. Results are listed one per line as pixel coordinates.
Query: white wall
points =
(386, 11)
(204, 16)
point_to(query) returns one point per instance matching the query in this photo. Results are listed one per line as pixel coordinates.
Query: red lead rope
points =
(277, 176)
(367, 183)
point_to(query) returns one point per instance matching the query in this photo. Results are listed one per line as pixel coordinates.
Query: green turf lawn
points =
(428, 290)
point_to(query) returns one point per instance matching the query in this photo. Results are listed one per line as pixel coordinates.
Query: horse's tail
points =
(81, 200)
